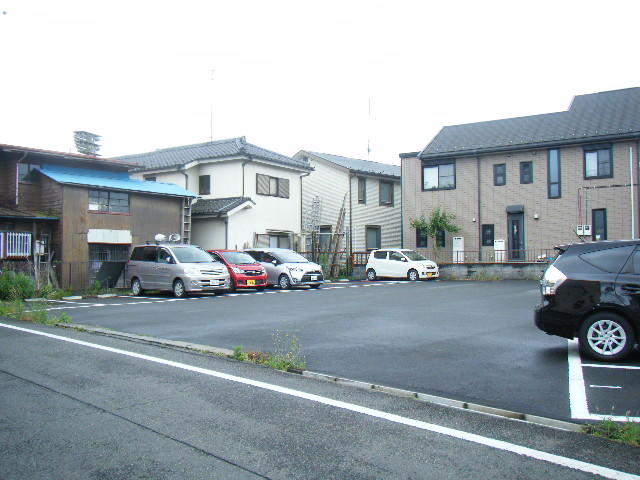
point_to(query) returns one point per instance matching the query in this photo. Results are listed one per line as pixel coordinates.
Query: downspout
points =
(24, 155)
(301, 205)
(243, 164)
(226, 233)
(401, 206)
(633, 206)
(638, 183)
(351, 177)
(479, 218)
(183, 171)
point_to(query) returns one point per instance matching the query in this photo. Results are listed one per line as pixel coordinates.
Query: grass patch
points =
(625, 432)
(34, 313)
(286, 354)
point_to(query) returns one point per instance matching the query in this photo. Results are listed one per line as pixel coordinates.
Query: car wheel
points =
(178, 289)
(412, 275)
(371, 274)
(283, 282)
(606, 336)
(136, 287)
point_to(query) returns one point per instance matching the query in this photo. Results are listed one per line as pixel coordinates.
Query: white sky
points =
(292, 75)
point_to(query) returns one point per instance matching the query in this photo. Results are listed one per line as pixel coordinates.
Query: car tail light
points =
(551, 280)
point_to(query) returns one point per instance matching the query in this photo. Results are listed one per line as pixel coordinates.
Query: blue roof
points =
(112, 180)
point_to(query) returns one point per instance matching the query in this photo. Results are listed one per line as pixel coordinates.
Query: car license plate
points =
(429, 274)
(251, 282)
(314, 277)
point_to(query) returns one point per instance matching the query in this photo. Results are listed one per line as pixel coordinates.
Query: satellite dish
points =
(174, 237)
(160, 237)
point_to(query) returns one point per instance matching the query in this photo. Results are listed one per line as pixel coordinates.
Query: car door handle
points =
(630, 288)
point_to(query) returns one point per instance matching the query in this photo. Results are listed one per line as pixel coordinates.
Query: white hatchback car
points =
(400, 263)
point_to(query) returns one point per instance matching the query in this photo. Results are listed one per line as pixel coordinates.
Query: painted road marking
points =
(620, 367)
(430, 427)
(578, 392)
(602, 386)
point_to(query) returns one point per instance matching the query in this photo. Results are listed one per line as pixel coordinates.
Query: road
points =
(78, 406)
(469, 341)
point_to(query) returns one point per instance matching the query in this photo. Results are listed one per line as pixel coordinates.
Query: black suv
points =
(592, 291)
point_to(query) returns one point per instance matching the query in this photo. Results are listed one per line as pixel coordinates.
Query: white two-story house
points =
(248, 196)
(369, 191)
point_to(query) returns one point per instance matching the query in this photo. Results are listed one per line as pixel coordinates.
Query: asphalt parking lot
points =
(469, 341)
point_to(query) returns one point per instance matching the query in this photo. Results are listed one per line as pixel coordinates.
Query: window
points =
(439, 175)
(324, 238)
(372, 240)
(499, 174)
(272, 186)
(106, 201)
(26, 172)
(396, 256)
(610, 260)
(204, 185)
(362, 190)
(421, 239)
(440, 238)
(380, 255)
(279, 241)
(487, 235)
(599, 224)
(553, 174)
(634, 264)
(598, 162)
(386, 193)
(150, 179)
(526, 172)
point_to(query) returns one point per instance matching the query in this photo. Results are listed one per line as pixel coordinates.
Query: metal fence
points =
(441, 256)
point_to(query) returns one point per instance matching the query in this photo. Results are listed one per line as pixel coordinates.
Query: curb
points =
(447, 402)
(423, 397)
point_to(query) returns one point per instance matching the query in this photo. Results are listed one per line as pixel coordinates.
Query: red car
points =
(245, 272)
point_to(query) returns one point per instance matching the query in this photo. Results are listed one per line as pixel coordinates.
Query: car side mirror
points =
(275, 262)
(403, 259)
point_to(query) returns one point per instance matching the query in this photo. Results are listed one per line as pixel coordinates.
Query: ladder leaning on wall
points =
(186, 220)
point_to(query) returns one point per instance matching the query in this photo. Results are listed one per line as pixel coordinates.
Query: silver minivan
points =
(286, 268)
(181, 269)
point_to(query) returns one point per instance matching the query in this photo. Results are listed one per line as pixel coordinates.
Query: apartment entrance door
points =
(515, 227)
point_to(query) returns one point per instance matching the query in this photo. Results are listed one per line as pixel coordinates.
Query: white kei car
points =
(400, 263)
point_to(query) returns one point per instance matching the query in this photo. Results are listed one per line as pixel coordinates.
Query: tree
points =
(439, 221)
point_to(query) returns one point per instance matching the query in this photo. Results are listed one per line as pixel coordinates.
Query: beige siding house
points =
(370, 193)
(532, 182)
(248, 196)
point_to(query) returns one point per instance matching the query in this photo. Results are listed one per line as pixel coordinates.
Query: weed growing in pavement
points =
(286, 354)
(238, 354)
(15, 286)
(626, 432)
(35, 313)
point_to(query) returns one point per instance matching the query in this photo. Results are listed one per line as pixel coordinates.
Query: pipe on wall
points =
(243, 164)
(479, 217)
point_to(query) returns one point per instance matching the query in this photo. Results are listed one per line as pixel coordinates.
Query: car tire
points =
(178, 289)
(371, 274)
(412, 275)
(606, 336)
(136, 287)
(283, 282)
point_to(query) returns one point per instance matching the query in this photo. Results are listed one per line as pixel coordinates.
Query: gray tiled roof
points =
(234, 147)
(590, 118)
(217, 206)
(362, 166)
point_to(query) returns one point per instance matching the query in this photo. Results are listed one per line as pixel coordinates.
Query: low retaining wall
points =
(479, 271)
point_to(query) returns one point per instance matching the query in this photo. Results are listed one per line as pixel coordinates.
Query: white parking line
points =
(578, 392)
(619, 367)
(398, 419)
(602, 386)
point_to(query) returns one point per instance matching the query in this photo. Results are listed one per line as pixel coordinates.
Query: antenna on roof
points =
(86, 142)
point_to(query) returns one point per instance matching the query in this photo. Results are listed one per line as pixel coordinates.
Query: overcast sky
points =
(293, 75)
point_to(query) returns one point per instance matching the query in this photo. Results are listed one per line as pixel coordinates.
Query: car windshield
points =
(413, 255)
(191, 254)
(289, 256)
(238, 258)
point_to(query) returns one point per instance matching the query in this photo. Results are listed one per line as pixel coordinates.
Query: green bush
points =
(15, 286)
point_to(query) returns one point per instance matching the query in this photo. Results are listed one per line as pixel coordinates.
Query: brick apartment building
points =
(531, 181)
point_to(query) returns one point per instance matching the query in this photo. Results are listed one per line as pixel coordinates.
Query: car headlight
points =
(551, 280)
(237, 270)
(192, 271)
